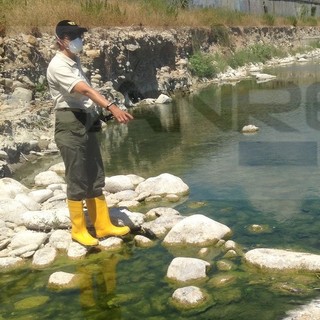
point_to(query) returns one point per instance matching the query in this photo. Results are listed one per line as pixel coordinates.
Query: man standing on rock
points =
(75, 103)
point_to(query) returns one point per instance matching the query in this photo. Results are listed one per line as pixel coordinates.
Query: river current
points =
(270, 178)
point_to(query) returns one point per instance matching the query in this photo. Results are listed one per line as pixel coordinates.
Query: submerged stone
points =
(188, 297)
(187, 269)
(60, 280)
(31, 302)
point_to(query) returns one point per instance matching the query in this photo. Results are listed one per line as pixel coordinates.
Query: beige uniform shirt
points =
(63, 74)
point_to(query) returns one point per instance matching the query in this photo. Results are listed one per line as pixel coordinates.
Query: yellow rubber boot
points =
(79, 231)
(99, 215)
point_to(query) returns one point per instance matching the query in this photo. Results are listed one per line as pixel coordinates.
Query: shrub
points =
(201, 65)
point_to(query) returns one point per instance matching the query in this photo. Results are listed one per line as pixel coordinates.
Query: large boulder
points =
(162, 185)
(162, 225)
(44, 257)
(11, 210)
(26, 238)
(10, 188)
(118, 183)
(283, 260)
(197, 230)
(47, 177)
(46, 220)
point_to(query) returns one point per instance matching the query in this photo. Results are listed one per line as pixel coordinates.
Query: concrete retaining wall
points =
(302, 8)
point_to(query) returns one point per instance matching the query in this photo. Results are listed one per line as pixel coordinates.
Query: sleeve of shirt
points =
(66, 78)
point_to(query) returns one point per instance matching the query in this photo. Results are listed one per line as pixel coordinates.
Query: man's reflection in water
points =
(98, 287)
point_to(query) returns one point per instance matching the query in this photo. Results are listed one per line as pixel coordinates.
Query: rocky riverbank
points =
(35, 231)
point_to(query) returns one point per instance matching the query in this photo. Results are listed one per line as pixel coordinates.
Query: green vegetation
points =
(254, 53)
(269, 19)
(206, 66)
(202, 65)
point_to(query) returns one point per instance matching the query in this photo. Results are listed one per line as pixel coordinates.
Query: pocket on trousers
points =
(69, 130)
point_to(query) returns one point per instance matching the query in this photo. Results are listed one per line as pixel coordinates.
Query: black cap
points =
(70, 28)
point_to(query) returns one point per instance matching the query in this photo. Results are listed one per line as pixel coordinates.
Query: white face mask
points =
(75, 46)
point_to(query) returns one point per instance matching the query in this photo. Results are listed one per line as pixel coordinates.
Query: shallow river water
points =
(270, 178)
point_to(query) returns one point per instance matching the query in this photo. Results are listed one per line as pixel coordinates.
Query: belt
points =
(73, 110)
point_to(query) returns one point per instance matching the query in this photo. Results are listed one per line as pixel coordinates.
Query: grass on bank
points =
(205, 65)
(24, 15)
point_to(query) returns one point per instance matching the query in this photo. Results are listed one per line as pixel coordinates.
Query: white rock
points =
(262, 77)
(94, 53)
(58, 168)
(47, 177)
(310, 311)
(197, 230)
(125, 217)
(162, 185)
(76, 251)
(25, 251)
(162, 225)
(230, 245)
(111, 201)
(60, 239)
(187, 269)
(11, 210)
(163, 99)
(125, 195)
(28, 202)
(142, 241)
(11, 187)
(135, 179)
(112, 243)
(3, 155)
(250, 128)
(47, 220)
(62, 280)
(118, 183)
(188, 297)
(10, 262)
(41, 195)
(161, 211)
(58, 196)
(129, 204)
(56, 186)
(155, 198)
(142, 196)
(172, 197)
(282, 260)
(44, 257)
(22, 94)
(23, 238)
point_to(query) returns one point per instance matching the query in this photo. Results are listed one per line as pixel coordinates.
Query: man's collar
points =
(70, 61)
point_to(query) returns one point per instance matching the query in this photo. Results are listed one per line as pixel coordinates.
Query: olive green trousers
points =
(81, 155)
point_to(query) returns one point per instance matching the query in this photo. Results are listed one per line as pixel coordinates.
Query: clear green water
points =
(198, 138)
